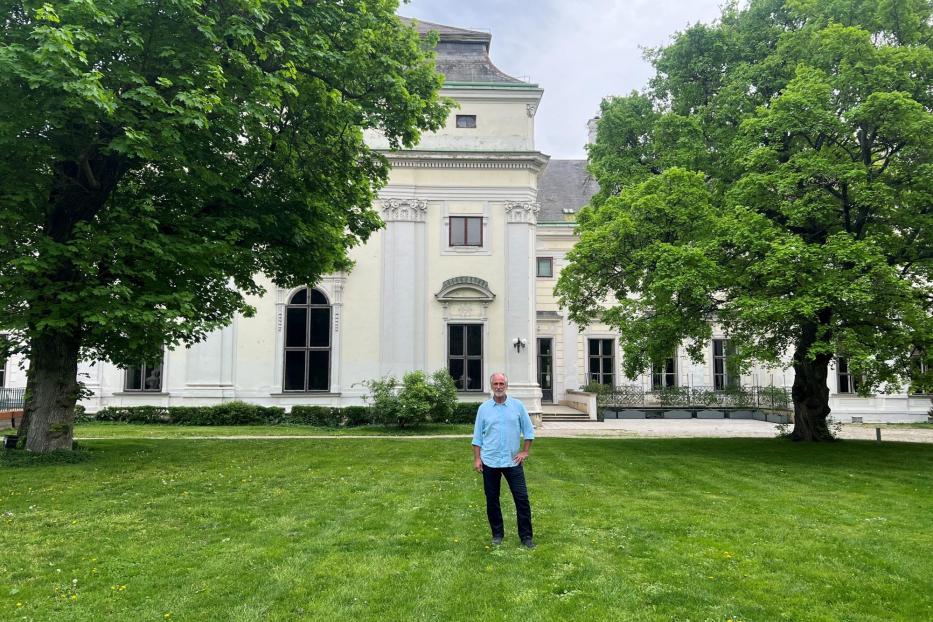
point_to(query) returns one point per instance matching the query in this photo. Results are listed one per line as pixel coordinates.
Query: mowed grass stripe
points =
(368, 529)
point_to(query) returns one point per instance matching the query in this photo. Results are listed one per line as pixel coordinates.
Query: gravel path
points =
(714, 428)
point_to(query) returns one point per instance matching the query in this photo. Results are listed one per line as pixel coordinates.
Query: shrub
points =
(415, 400)
(356, 416)
(445, 396)
(463, 412)
(323, 416)
(382, 398)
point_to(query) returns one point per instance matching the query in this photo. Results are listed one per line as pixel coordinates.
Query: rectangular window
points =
(466, 121)
(546, 267)
(723, 375)
(921, 378)
(664, 375)
(847, 381)
(465, 356)
(466, 231)
(145, 377)
(601, 361)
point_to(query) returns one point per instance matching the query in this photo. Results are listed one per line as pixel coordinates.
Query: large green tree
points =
(156, 157)
(776, 178)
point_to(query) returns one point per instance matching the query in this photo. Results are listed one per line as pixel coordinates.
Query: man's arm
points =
(521, 456)
(477, 461)
(477, 441)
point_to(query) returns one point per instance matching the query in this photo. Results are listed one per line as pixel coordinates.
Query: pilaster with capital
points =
(404, 210)
(522, 212)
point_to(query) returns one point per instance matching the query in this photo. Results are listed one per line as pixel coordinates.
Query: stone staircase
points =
(558, 412)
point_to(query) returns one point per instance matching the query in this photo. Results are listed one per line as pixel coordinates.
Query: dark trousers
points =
(515, 476)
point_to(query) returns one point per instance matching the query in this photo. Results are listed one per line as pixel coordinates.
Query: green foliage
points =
(415, 400)
(323, 416)
(354, 416)
(776, 179)
(463, 412)
(159, 160)
(229, 413)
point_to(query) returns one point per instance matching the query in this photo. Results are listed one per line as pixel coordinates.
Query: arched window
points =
(307, 342)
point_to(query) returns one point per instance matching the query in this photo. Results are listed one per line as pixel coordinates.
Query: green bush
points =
(463, 412)
(322, 416)
(417, 399)
(356, 416)
(383, 401)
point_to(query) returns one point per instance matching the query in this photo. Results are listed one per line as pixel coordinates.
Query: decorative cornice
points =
(522, 211)
(404, 210)
(475, 288)
(533, 161)
(531, 109)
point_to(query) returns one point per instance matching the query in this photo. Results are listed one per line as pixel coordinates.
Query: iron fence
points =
(12, 399)
(629, 396)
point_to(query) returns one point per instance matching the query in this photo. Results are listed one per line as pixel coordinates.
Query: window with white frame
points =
(145, 377)
(601, 361)
(664, 375)
(465, 356)
(723, 374)
(307, 342)
(846, 381)
(465, 231)
(545, 267)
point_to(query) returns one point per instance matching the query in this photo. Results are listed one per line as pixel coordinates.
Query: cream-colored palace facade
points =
(478, 225)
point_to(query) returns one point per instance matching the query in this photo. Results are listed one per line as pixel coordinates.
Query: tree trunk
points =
(811, 398)
(51, 392)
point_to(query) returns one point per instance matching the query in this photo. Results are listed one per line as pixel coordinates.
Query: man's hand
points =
(478, 465)
(520, 457)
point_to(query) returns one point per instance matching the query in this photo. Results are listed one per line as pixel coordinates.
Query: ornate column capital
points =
(404, 210)
(531, 109)
(522, 212)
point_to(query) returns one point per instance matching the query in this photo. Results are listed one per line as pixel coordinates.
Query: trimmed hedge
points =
(242, 413)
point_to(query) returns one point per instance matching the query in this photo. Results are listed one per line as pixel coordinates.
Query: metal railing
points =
(12, 399)
(635, 396)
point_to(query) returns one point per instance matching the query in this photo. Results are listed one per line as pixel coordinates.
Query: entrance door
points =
(545, 370)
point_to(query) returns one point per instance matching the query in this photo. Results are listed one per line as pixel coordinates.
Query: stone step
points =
(576, 418)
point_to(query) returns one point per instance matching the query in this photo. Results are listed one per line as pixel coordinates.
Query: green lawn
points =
(371, 529)
(129, 430)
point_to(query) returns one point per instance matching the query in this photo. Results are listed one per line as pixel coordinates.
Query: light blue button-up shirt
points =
(498, 431)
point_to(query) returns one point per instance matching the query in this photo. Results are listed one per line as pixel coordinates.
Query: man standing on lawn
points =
(500, 424)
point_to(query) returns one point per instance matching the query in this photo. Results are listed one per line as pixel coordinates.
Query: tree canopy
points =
(159, 157)
(775, 178)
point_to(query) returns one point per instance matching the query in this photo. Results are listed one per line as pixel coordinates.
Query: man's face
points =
(499, 385)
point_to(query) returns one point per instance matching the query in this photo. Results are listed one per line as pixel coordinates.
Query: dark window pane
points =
(457, 231)
(474, 340)
(320, 328)
(466, 121)
(134, 376)
(153, 379)
(545, 267)
(607, 365)
(456, 340)
(300, 298)
(318, 370)
(544, 346)
(594, 347)
(317, 298)
(717, 347)
(295, 370)
(474, 375)
(456, 372)
(594, 365)
(296, 326)
(474, 231)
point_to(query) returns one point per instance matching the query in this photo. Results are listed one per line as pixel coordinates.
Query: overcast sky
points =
(577, 51)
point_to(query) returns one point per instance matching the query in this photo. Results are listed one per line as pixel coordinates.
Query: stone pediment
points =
(465, 289)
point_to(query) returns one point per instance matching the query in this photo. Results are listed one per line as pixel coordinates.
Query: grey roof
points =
(564, 185)
(463, 55)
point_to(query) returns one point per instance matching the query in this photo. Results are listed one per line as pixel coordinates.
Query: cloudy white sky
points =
(577, 51)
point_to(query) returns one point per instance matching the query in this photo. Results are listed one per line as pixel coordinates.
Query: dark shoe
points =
(496, 540)
(528, 543)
